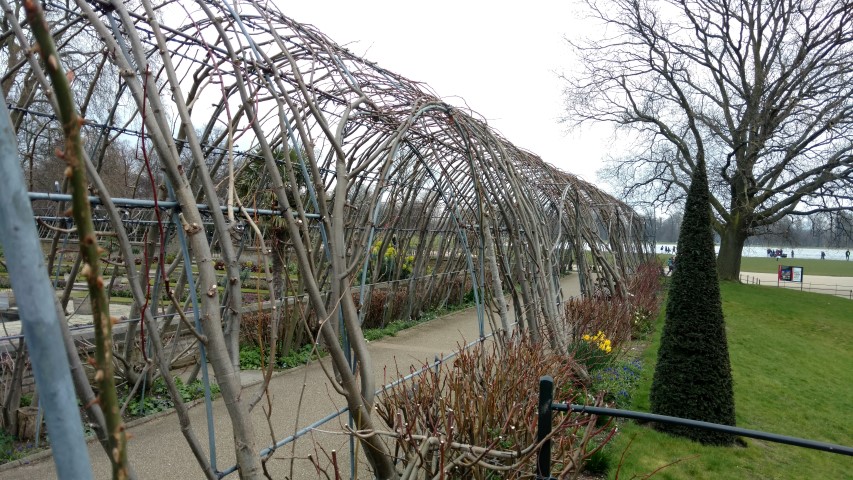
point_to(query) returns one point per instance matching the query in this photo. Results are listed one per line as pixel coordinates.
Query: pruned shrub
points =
(255, 330)
(475, 416)
(618, 319)
(693, 374)
(383, 306)
(645, 288)
(590, 315)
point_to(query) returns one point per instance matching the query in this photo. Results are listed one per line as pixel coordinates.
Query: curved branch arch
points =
(391, 189)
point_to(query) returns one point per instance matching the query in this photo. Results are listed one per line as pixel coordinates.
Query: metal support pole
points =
(543, 428)
(205, 374)
(39, 318)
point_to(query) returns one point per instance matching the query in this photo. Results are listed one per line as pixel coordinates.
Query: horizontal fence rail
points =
(843, 291)
(145, 203)
(547, 405)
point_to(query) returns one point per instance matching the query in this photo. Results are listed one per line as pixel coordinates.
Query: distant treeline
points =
(833, 230)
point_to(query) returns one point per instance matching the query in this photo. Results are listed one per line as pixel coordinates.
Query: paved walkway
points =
(157, 449)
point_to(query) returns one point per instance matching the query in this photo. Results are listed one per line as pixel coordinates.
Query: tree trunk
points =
(278, 253)
(497, 285)
(14, 388)
(732, 239)
(282, 346)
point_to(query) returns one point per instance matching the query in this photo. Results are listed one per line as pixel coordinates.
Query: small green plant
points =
(301, 356)
(593, 351)
(250, 357)
(501, 441)
(642, 323)
(156, 398)
(406, 268)
(388, 261)
(389, 330)
(599, 462)
(618, 382)
(469, 297)
(11, 449)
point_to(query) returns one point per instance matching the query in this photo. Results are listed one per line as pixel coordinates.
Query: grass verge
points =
(791, 354)
(829, 268)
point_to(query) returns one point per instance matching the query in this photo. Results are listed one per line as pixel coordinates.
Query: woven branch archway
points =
(391, 191)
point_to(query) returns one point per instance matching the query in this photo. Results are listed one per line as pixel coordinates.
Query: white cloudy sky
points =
(500, 58)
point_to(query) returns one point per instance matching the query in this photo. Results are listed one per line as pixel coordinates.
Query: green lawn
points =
(832, 268)
(792, 362)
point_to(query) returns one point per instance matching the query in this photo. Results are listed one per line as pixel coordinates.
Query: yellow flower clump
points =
(600, 340)
(390, 251)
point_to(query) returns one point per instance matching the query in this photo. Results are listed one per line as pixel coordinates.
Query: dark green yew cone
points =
(693, 377)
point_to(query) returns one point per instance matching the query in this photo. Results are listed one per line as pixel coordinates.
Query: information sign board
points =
(790, 274)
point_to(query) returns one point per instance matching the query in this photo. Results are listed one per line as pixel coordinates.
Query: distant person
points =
(822, 255)
(792, 254)
(670, 263)
(847, 255)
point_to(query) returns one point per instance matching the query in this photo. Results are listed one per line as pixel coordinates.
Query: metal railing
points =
(843, 291)
(547, 406)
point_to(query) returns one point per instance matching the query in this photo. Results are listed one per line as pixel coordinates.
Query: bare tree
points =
(761, 91)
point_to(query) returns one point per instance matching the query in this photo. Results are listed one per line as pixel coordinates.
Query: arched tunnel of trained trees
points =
(228, 146)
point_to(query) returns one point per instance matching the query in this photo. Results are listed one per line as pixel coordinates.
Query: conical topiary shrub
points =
(693, 377)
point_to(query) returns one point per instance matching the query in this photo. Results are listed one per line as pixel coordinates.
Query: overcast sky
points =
(500, 58)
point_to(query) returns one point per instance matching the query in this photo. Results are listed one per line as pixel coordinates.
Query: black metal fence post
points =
(543, 428)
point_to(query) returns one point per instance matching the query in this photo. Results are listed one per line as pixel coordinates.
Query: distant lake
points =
(761, 251)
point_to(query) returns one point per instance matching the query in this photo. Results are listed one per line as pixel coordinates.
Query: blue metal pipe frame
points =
(142, 203)
(39, 318)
